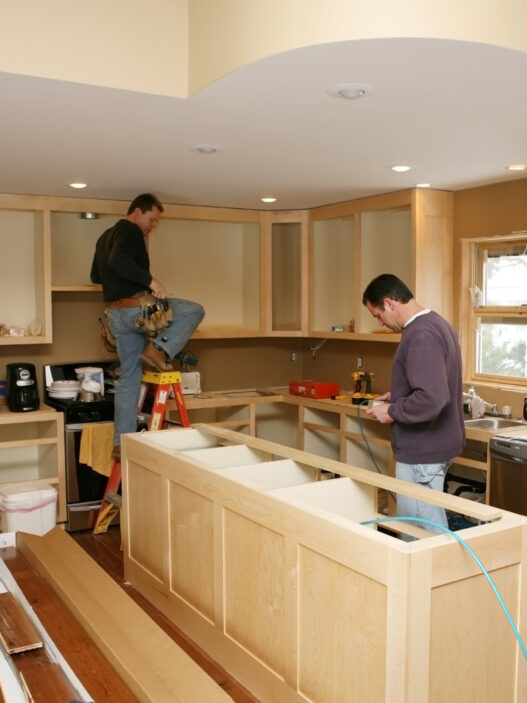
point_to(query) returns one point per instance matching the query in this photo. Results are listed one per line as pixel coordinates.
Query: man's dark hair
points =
(145, 202)
(386, 286)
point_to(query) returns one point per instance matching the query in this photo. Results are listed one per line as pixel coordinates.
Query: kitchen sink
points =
(493, 423)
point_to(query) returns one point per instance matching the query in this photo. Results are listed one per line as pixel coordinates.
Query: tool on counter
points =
(362, 387)
(314, 389)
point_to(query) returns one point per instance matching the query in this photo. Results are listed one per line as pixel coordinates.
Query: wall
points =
(489, 210)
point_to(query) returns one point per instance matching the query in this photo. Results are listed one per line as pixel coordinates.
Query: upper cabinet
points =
(256, 273)
(408, 233)
(25, 304)
(212, 256)
(73, 238)
(285, 265)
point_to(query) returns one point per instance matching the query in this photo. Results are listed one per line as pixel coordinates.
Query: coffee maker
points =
(21, 387)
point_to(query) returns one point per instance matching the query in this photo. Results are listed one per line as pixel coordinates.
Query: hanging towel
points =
(96, 446)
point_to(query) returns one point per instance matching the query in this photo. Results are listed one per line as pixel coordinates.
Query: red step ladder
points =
(164, 383)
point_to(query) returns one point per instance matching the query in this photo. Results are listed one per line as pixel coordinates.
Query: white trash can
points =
(28, 508)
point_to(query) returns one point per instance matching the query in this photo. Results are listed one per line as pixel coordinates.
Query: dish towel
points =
(96, 446)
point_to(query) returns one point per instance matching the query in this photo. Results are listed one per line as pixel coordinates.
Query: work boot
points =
(155, 358)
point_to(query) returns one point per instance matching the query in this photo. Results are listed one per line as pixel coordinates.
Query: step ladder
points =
(164, 383)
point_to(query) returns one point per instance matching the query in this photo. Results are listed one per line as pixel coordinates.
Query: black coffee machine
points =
(21, 388)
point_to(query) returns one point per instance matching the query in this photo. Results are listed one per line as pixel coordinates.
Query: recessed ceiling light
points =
(206, 148)
(517, 167)
(350, 91)
(423, 185)
(78, 185)
(268, 200)
(401, 168)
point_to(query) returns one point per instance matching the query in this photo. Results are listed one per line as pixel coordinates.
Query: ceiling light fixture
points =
(517, 167)
(423, 185)
(206, 148)
(401, 168)
(78, 185)
(268, 200)
(350, 91)
(89, 216)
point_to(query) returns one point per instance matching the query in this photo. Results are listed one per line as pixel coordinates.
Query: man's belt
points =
(125, 303)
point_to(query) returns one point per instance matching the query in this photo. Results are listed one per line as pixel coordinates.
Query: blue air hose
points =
(472, 554)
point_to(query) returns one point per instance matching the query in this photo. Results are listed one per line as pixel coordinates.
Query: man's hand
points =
(158, 289)
(380, 413)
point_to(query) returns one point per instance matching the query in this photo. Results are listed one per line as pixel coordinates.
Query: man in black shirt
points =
(122, 266)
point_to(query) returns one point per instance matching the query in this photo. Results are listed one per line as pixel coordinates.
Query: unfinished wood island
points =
(269, 569)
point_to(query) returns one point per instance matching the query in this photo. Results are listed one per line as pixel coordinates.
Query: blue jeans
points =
(131, 341)
(430, 475)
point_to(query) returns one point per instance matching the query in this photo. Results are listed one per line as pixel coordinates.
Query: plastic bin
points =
(29, 508)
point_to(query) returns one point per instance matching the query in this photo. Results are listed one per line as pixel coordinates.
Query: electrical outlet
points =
(293, 356)
(360, 362)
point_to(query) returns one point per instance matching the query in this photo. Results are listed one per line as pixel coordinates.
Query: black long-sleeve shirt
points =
(121, 263)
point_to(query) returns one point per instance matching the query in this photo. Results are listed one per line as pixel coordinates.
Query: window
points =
(494, 325)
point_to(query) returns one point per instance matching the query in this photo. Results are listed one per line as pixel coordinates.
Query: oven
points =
(84, 487)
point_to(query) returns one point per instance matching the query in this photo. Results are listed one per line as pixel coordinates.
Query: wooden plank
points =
(17, 633)
(152, 665)
(44, 681)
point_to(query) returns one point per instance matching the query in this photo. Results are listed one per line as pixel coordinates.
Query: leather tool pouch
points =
(156, 314)
(107, 337)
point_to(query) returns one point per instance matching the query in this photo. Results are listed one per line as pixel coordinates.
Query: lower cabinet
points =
(32, 451)
(276, 574)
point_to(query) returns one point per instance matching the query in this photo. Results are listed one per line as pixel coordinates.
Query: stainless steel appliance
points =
(21, 387)
(508, 473)
(84, 486)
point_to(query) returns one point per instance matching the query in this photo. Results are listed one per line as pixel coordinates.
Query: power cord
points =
(472, 554)
(370, 452)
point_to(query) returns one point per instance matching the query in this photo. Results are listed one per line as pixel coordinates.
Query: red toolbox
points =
(314, 389)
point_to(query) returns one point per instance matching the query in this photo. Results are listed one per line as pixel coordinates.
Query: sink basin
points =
(493, 423)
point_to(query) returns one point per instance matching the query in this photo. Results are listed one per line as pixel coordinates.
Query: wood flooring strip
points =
(44, 682)
(17, 632)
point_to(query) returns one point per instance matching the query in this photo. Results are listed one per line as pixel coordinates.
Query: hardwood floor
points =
(105, 549)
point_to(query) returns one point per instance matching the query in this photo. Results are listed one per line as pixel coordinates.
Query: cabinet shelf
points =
(28, 443)
(358, 336)
(87, 288)
(32, 451)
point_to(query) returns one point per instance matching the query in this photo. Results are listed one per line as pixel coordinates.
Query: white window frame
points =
(471, 315)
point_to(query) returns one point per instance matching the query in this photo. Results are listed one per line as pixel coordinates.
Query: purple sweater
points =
(426, 393)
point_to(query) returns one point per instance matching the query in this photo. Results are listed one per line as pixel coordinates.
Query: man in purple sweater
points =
(425, 398)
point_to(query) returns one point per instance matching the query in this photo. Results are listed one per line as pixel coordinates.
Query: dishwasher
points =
(508, 473)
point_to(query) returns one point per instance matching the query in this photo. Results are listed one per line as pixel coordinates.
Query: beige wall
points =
(177, 47)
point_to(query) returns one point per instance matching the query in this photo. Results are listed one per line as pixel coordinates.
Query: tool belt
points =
(156, 314)
(125, 303)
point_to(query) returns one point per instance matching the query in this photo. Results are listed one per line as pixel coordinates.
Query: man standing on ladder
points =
(149, 328)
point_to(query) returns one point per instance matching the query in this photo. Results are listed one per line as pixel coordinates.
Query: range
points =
(84, 486)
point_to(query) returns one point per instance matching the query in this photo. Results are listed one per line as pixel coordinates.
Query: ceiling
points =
(455, 111)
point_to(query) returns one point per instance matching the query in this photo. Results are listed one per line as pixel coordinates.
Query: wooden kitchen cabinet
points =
(32, 451)
(408, 233)
(270, 571)
(25, 271)
(257, 273)
(285, 263)
(73, 242)
(212, 257)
